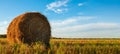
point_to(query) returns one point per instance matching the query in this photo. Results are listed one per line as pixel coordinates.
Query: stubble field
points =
(65, 46)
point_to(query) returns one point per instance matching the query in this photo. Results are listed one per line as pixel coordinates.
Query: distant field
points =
(65, 46)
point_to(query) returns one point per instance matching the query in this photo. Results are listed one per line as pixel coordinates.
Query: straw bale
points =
(28, 28)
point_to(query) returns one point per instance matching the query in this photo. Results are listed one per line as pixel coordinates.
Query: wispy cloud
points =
(106, 33)
(71, 28)
(89, 27)
(80, 4)
(3, 23)
(70, 21)
(57, 6)
(3, 27)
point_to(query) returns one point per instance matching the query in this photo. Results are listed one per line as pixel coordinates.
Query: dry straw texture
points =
(29, 28)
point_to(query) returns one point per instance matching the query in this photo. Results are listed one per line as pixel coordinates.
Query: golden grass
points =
(65, 46)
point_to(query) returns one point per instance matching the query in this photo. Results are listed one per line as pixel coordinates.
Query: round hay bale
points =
(29, 28)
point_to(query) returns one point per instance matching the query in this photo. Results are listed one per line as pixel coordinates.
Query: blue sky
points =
(69, 18)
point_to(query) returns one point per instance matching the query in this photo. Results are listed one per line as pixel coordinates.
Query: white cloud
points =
(111, 33)
(71, 28)
(88, 27)
(70, 21)
(57, 6)
(80, 4)
(3, 23)
(3, 27)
